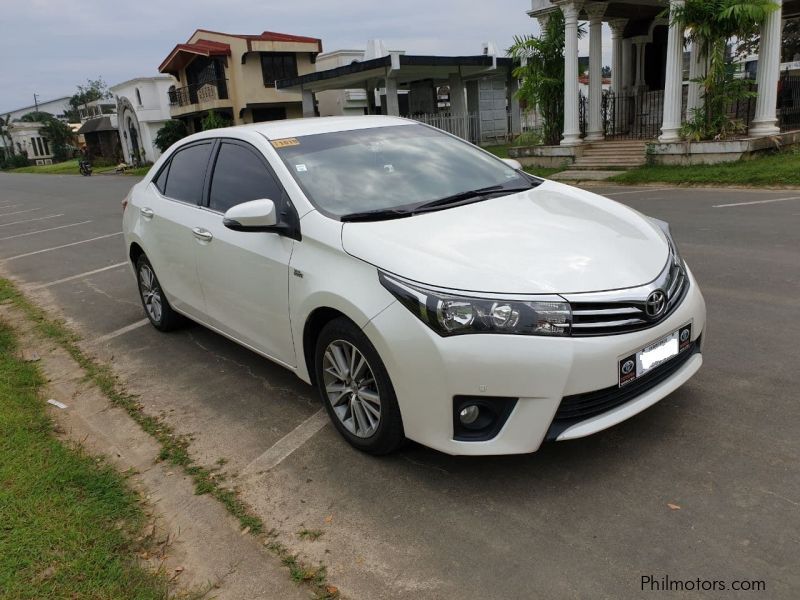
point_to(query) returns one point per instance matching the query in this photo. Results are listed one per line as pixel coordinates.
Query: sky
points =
(50, 46)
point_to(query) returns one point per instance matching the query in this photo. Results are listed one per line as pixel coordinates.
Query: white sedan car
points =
(429, 290)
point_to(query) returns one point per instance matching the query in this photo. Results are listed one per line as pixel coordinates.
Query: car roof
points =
(287, 128)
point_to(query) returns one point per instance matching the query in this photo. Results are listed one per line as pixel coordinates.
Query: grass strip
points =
(782, 168)
(68, 522)
(174, 447)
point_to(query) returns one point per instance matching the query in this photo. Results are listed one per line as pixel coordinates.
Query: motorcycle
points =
(85, 167)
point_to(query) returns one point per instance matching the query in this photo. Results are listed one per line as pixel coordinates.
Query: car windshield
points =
(395, 168)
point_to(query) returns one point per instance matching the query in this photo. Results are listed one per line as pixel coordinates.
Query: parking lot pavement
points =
(578, 519)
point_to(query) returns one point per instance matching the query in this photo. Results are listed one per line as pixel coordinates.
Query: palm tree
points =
(713, 25)
(541, 72)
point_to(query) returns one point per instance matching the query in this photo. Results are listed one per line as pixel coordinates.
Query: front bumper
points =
(427, 371)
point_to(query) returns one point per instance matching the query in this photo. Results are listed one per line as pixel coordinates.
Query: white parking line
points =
(99, 237)
(19, 235)
(121, 331)
(285, 446)
(19, 212)
(643, 191)
(757, 202)
(31, 220)
(78, 276)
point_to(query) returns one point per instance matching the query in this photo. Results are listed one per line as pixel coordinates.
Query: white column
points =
(625, 80)
(673, 86)
(572, 129)
(617, 27)
(458, 95)
(617, 80)
(697, 69)
(392, 102)
(639, 81)
(594, 131)
(765, 121)
(308, 104)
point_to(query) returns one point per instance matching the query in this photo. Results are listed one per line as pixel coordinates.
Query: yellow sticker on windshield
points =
(285, 142)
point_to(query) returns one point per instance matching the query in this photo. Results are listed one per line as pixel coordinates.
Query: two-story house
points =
(235, 76)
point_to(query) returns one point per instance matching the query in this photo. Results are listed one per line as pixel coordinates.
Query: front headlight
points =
(676, 255)
(450, 314)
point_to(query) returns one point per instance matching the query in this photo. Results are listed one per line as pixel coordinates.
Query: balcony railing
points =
(208, 91)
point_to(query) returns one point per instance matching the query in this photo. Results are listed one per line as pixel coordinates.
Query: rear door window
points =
(240, 175)
(187, 171)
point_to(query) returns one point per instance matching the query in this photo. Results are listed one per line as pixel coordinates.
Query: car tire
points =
(154, 301)
(363, 408)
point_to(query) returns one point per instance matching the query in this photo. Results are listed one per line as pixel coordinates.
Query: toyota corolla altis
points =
(428, 289)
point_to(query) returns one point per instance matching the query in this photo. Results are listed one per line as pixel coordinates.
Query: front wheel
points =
(355, 389)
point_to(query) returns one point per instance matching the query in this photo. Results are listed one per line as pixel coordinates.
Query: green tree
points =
(171, 132)
(214, 121)
(6, 136)
(541, 71)
(713, 25)
(95, 89)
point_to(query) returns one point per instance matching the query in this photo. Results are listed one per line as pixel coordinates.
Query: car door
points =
(245, 275)
(171, 205)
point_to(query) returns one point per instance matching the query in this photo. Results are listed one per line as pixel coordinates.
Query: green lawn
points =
(67, 522)
(70, 167)
(773, 170)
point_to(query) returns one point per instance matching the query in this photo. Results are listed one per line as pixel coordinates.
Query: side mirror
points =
(256, 215)
(513, 163)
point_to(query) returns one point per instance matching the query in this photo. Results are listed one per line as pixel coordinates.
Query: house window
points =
(138, 97)
(46, 146)
(278, 65)
(33, 145)
(41, 148)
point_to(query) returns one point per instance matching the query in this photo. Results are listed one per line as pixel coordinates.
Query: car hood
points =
(550, 239)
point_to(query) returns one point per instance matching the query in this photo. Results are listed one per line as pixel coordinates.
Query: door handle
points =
(147, 213)
(202, 234)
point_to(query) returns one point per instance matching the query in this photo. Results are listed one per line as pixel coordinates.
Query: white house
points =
(27, 138)
(142, 109)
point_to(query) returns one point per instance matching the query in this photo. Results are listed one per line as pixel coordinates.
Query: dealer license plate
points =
(654, 355)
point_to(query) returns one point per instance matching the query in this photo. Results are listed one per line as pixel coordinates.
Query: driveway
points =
(702, 486)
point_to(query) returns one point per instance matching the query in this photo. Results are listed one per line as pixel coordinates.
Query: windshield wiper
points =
(469, 195)
(375, 215)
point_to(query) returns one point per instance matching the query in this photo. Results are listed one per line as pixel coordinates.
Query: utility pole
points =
(36, 101)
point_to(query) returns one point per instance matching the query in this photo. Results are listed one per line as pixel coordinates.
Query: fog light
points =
(469, 414)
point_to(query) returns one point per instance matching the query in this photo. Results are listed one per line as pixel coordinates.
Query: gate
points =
(633, 115)
(789, 103)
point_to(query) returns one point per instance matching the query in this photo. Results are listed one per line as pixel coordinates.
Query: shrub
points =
(171, 132)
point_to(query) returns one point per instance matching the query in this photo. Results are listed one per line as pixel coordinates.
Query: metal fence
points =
(199, 92)
(636, 115)
(465, 126)
(789, 103)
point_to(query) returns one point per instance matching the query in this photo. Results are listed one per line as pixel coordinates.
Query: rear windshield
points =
(391, 167)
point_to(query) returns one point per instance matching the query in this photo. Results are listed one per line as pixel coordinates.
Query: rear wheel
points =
(155, 303)
(356, 390)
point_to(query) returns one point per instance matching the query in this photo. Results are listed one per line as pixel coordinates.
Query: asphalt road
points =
(581, 519)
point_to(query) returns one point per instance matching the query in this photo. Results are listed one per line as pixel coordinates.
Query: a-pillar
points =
(765, 121)
(595, 130)
(392, 101)
(572, 128)
(697, 70)
(673, 86)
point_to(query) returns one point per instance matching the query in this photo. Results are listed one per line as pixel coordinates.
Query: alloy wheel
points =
(151, 293)
(351, 388)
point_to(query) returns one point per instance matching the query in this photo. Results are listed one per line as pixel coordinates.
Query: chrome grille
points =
(624, 311)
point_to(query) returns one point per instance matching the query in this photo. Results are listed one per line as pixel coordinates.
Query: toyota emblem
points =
(656, 304)
(627, 367)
